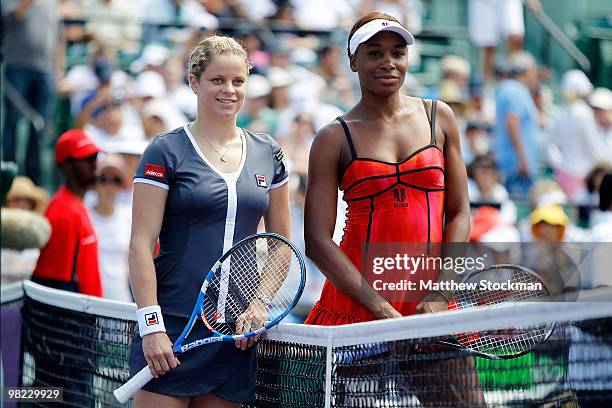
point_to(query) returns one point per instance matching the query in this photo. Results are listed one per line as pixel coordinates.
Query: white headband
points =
(369, 30)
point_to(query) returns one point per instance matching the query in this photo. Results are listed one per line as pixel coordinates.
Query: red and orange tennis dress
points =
(387, 202)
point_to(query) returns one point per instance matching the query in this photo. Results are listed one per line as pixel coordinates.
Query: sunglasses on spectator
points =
(109, 180)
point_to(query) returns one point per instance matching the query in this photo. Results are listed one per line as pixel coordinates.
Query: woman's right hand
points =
(157, 349)
(386, 311)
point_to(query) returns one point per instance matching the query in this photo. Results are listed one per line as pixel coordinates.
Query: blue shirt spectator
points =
(516, 143)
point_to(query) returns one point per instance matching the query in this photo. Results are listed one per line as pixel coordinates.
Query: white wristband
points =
(150, 320)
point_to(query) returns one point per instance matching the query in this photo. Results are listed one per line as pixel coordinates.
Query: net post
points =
(328, 369)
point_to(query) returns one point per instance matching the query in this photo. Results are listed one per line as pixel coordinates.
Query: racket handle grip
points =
(125, 392)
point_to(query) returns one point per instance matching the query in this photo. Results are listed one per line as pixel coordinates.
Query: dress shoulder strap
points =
(349, 139)
(431, 117)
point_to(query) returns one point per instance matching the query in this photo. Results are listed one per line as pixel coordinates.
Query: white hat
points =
(303, 56)
(601, 98)
(152, 55)
(257, 86)
(279, 77)
(455, 64)
(369, 30)
(576, 82)
(150, 84)
(132, 146)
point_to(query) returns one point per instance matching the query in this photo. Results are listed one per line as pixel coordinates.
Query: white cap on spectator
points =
(303, 56)
(576, 82)
(134, 146)
(520, 62)
(152, 55)
(501, 237)
(114, 163)
(454, 64)
(204, 20)
(279, 77)
(257, 86)
(601, 98)
(162, 109)
(370, 29)
(150, 84)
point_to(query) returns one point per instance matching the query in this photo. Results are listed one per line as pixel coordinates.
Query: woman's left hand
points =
(431, 307)
(253, 318)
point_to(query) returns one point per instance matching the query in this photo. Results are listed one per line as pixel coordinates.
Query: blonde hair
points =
(210, 47)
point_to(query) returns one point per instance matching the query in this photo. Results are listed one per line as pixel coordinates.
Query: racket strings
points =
(511, 340)
(265, 268)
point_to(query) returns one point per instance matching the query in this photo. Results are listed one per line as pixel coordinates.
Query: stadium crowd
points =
(535, 162)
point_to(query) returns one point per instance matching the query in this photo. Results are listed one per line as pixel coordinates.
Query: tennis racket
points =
(250, 289)
(504, 284)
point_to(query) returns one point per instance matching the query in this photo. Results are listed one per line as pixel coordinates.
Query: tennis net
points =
(82, 344)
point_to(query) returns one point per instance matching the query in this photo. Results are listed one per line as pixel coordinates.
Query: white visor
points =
(369, 30)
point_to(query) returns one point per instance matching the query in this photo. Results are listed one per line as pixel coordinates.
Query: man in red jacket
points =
(69, 261)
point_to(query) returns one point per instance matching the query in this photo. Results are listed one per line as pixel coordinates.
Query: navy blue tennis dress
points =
(206, 212)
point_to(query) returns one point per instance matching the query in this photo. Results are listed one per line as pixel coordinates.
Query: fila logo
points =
(261, 180)
(153, 170)
(151, 319)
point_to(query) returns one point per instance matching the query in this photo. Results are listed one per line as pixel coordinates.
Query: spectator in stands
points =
(481, 103)
(408, 12)
(476, 141)
(457, 69)
(163, 15)
(113, 24)
(601, 102)
(484, 188)
(151, 100)
(283, 16)
(253, 44)
(130, 151)
(153, 57)
(83, 80)
(547, 256)
(601, 236)
(328, 66)
(574, 133)
(69, 261)
(516, 145)
(450, 92)
(225, 9)
(322, 14)
(25, 195)
(106, 116)
(492, 20)
(296, 144)
(179, 93)
(602, 230)
(257, 115)
(111, 220)
(30, 49)
(456, 73)
(587, 197)
(497, 236)
(22, 215)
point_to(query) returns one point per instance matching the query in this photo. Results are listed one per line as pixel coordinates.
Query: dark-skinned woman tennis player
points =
(388, 147)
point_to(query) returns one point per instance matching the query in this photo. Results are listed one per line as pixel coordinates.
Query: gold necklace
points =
(223, 156)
